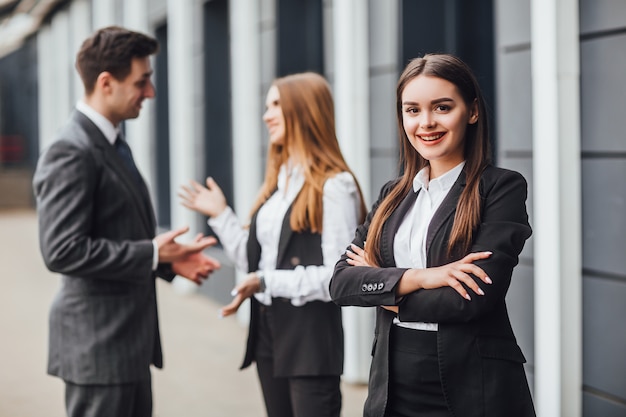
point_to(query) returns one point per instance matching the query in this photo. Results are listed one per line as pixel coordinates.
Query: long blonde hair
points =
(477, 152)
(308, 109)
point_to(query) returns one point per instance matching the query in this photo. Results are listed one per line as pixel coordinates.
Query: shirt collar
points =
(443, 182)
(289, 170)
(106, 127)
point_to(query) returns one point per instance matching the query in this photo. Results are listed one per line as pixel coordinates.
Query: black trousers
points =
(304, 396)
(122, 400)
(414, 382)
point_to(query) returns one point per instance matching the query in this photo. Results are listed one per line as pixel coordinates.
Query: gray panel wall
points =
(603, 164)
(603, 167)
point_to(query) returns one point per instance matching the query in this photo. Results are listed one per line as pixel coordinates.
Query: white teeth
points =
(431, 138)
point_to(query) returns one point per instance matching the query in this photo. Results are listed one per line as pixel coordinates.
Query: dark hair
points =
(477, 152)
(111, 49)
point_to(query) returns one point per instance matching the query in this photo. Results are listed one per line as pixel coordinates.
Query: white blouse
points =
(409, 245)
(341, 202)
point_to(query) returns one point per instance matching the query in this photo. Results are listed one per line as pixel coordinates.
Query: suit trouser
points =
(306, 396)
(414, 383)
(121, 400)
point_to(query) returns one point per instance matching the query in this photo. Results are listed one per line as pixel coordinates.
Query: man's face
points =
(128, 94)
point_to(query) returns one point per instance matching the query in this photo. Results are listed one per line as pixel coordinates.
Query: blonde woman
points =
(304, 216)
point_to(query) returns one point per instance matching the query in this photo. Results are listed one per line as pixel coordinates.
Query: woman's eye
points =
(443, 108)
(411, 110)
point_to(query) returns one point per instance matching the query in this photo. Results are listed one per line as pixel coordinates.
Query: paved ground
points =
(202, 352)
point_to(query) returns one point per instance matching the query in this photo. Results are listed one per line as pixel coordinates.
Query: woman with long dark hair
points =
(436, 254)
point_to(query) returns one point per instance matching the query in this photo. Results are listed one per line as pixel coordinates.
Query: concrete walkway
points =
(202, 352)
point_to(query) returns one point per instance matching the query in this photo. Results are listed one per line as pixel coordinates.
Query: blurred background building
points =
(553, 74)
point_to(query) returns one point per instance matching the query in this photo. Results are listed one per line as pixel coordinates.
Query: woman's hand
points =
(209, 201)
(357, 256)
(246, 289)
(451, 275)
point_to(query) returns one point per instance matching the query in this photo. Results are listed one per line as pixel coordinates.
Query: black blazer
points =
(95, 228)
(308, 340)
(479, 360)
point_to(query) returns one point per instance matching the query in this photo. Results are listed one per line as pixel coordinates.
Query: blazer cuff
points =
(155, 255)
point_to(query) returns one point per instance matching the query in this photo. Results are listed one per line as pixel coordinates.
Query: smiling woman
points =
(435, 117)
(304, 216)
(442, 241)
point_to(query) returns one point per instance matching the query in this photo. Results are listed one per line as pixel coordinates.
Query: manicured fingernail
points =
(489, 253)
(220, 314)
(488, 280)
(480, 292)
(468, 297)
(234, 292)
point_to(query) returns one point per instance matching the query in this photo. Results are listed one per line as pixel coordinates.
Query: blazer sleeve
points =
(65, 184)
(503, 230)
(362, 285)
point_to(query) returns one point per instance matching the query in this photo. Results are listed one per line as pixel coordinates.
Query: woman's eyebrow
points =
(436, 101)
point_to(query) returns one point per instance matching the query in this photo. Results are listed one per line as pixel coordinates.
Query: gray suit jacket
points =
(95, 228)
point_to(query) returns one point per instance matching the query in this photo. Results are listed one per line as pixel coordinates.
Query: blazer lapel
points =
(138, 195)
(445, 210)
(285, 236)
(253, 247)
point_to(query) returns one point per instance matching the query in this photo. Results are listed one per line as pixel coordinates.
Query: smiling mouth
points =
(431, 138)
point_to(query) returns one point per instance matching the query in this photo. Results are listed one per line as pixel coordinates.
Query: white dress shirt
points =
(409, 245)
(341, 202)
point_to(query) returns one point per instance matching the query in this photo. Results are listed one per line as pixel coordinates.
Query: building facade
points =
(552, 72)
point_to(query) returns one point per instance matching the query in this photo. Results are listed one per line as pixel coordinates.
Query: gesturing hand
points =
(172, 251)
(451, 275)
(242, 291)
(196, 267)
(209, 201)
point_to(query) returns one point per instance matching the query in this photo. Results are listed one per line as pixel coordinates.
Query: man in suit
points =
(97, 228)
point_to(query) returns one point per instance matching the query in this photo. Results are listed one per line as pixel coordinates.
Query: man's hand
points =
(172, 251)
(196, 267)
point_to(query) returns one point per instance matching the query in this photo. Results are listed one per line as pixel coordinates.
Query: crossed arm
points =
(445, 292)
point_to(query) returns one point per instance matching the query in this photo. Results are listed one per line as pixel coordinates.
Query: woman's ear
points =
(473, 112)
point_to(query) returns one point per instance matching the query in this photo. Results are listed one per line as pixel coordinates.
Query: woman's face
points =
(435, 116)
(273, 117)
